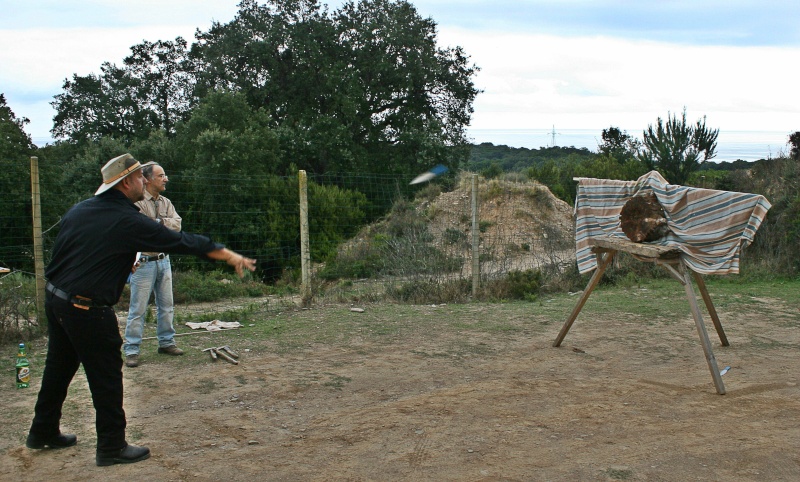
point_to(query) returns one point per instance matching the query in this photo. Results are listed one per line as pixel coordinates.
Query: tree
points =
(14, 141)
(164, 79)
(152, 91)
(16, 148)
(676, 149)
(618, 145)
(794, 142)
(362, 89)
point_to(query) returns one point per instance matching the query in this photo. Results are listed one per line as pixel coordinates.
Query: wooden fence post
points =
(476, 260)
(305, 254)
(38, 250)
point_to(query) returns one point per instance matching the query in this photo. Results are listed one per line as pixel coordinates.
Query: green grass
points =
(656, 301)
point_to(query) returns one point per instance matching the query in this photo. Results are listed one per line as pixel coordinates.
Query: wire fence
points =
(375, 231)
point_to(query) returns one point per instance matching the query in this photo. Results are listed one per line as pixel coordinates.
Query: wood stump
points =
(642, 218)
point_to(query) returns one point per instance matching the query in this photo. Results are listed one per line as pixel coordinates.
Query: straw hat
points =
(118, 169)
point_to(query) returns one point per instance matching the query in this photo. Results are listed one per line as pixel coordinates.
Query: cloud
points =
(533, 81)
(573, 63)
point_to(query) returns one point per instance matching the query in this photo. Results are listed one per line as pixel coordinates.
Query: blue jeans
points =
(152, 276)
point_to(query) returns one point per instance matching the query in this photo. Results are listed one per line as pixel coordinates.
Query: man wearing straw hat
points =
(92, 256)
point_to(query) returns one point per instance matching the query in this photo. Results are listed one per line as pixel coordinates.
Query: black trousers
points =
(89, 337)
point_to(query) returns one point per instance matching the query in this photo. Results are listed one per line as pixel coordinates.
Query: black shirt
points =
(98, 241)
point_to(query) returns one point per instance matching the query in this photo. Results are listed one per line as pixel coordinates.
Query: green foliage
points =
(427, 291)
(677, 149)
(492, 171)
(618, 145)
(361, 88)
(14, 142)
(197, 287)
(429, 192)
(225, 136)
(794, 143)
(152, 91)
(400, 245)
(484, 156)
(776, 248)
(522, 285)
(16, 149)
(335, 215)
(606, 167)
(18, 308)
(454, 236)
(709, 179)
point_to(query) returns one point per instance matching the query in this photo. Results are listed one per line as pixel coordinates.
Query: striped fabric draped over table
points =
(709, 227)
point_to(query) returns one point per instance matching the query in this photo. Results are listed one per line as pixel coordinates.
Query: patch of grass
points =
(207, 386)
(619, 474)
(336, 381)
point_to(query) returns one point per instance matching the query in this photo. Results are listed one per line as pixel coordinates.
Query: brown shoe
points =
(132, 361)
(170, 350)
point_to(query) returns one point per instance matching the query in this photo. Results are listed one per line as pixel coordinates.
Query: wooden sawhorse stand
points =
(607, 247)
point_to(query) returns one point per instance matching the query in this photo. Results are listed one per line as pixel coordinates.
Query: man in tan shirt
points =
(153, 274)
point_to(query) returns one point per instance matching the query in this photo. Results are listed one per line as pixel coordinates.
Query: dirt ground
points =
(622, 399)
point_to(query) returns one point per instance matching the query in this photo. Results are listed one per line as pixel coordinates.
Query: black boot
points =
(57, 442)
(128, 455)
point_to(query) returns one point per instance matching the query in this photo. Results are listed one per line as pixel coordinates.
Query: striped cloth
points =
(710, 227)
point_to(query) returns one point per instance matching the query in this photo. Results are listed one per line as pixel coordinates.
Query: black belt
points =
(77, 301)
(156, 257)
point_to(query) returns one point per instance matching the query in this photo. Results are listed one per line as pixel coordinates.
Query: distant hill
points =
(514, 159)
(510, 159)
(729, 166)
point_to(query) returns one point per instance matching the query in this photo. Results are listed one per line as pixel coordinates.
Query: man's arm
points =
(239, 262)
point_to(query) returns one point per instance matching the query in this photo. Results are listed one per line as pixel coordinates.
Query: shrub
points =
(517, 285)
(18, 319)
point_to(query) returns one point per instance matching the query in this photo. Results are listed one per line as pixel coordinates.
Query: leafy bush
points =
(18, 319)
(199, 287)
(517, 285)
(422, 291)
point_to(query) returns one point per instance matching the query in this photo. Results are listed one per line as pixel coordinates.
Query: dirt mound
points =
(522, 227)
(522, 224)
(522, 211)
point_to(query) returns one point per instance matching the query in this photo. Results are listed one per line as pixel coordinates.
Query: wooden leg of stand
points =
(598, 273)
(712, 312)
(701, 331)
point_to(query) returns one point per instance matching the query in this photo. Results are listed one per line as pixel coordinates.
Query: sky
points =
(565, 64)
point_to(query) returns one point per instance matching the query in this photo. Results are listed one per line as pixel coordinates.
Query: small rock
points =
(252, 442)
(357, 310)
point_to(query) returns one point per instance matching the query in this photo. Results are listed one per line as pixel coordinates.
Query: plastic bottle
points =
(23, 368)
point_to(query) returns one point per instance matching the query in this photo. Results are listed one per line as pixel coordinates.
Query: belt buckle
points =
(81, 302)
(161, 256)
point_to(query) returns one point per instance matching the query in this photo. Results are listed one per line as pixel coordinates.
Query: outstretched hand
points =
(240, 263)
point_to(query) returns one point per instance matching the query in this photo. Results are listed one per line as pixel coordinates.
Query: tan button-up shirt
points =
(160, 210)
